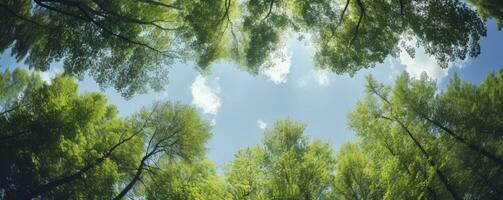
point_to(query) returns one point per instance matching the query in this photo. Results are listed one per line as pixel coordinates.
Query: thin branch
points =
(12, 12)
(401, 8)
(39, 2)
(440, 174)
(87, 18)
(362, 14)
(341, 18)
(8, 137)
(271, 4)
(157, 3)
(107, 13)
(13, 108)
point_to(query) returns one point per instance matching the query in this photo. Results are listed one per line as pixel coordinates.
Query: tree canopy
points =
(123, 44)
(287, 166)
(412, 141)
(490, 9)
(58, 144)
(432, 144)
(130, 45)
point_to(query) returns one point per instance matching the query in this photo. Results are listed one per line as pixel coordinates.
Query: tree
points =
(58, 144)
(490, 9)
(183, 180)
(355, 175)
(288, 166)
(122, 44)
(172, 132)
(351, 35)
(53, 140)
(446, 142)
(402, 148)
(245, 176)
(129, 45)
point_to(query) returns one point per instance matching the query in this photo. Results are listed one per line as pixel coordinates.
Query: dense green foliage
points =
(490, 9)
(287, 166)
(60, 144)
(412, 140)
(351, 35)
(438, 145)
(124, 44)
(130, 45)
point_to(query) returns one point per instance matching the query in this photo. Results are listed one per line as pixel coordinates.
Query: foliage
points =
(130, 45)
(490, 9)
(413, 142)
(59, 144)
(123, 44)
(351, 35)
(288, 166)
(184, 180)
(433, 144)
(53, 132)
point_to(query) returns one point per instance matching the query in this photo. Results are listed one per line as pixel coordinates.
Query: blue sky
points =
(240, 105)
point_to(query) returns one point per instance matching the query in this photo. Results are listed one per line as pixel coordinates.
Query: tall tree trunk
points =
(472, 146)
(393, 153)
(136, 177)
(440, 174)
(77, 175)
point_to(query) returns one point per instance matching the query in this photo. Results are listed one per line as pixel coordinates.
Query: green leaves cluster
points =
(130, 45)
(490, 9)
(427, 143)
(287, 166)
(412, 142)
(121, 44)
(59, 144)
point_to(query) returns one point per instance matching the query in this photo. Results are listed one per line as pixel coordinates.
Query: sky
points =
(240, 105)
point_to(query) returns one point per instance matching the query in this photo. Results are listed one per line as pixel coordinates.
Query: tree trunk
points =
(135, 179)
(440, 174)
(77, 175)
(472, 146)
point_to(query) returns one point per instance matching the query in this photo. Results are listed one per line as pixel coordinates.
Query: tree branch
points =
(439, 173)
(87, 18)
(77, 175)
(126, 19)
(362, 14)
(443, 179)
(157, 3)
(12, 12)
(341, 18)
(271, 4)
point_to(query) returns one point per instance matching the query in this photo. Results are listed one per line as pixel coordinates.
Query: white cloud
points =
(206, 97)
(278, 66)
(47, 76)
(261, 124)
(302, 81)
(423, 62)
(393, 67)
(322, 78)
